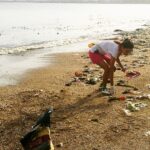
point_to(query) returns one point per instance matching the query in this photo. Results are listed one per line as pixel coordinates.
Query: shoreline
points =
(34, 59)
(80, 114)
(14, 66)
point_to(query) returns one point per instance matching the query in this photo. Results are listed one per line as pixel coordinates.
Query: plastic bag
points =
(39, 137)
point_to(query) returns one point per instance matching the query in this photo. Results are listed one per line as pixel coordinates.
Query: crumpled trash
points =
(130, 98)
(140, 105)
(121, 82)
(120, 98)
(88, 70)
(75, 79)
(69, 83)
(78, 74)
(148, 86)
(132, 74)
(135, 106)
(131, 91)
(131, 107)
(39, 137)
(127, 112)
(144, 96)
(92, 80)
(147, 133)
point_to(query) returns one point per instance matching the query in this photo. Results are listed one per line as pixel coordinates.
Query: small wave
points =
(41, 45)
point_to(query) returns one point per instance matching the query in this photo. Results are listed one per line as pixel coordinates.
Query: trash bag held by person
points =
(105, 54)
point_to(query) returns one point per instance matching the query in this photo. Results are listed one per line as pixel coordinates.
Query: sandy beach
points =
(82, 119)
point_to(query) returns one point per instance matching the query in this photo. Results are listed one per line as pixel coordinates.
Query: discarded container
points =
(105, 92)
(88, 70)
(135, 106)
(129, 91)
(132, 74)
(92, 81)
(144, 96)
(120, 98)
(78, 74)
(130, 106)
(147, 133)
(39, 137)
(127, 112)
(148, 86)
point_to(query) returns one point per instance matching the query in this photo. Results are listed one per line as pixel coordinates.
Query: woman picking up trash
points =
(105, 54)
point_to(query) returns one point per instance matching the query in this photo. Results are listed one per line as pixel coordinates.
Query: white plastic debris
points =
(148, 86)
(144, 96)
(147, 133)
(140, 105)
(135, 106)
(127, 112)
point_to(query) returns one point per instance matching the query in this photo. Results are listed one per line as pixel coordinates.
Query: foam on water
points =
(29, 32)
(28, 26)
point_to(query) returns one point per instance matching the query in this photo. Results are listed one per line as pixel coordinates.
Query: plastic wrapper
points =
(39, 137)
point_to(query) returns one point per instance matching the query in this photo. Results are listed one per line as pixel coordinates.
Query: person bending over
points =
(105, 54)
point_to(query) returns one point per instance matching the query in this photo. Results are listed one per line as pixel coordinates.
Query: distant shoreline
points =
(77, 2)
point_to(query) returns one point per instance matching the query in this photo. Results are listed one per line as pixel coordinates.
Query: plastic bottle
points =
(120, 98)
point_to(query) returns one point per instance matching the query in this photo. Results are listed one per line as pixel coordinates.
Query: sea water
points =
(58, 27)
(28, 26)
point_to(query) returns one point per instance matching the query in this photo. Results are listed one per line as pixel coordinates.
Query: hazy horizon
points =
(84, 1)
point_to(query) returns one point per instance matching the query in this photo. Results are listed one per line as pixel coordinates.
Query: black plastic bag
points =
(39, 137)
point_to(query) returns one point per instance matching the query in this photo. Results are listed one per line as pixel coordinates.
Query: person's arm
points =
(119, 62)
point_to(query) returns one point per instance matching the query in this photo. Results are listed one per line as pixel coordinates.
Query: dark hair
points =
(127, 44)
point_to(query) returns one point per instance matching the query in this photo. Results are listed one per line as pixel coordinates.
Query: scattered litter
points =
(39, 137)
(135, 106)
(75, 79)
(87, 76)
(131, 91)
(78, 74)
(68, 84)
(148, 86)
(127, 91)
(60, 145)
(105, 92)
(144, 96)
(130, 98)
(140, 105)
(132, 74)
(127, 112)
(131, 107)
(94, 120)
(120, 98)
(135, 92)
(88, 70)
(147, 133)
(92, 80)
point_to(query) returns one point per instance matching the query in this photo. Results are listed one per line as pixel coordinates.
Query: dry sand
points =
(82, 118)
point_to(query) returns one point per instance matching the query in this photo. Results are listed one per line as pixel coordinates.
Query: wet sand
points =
(82, 119)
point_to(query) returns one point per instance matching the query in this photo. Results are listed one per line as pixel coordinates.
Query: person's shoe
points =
(105, 91)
